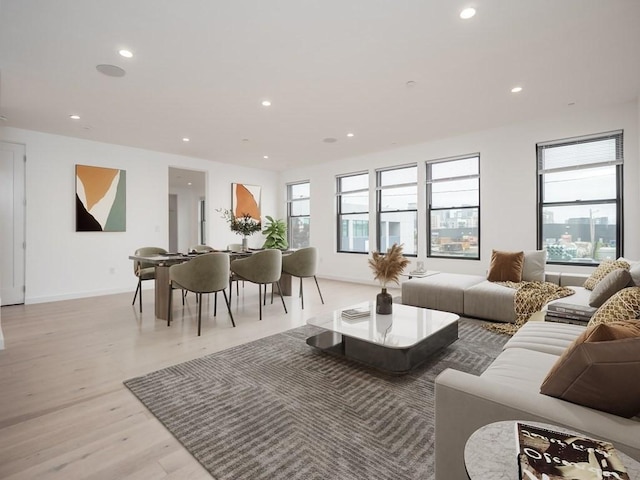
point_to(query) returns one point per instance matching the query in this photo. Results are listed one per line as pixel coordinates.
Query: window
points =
(580, 199)
(397, 200)
(298, 214)
(353, 213)
(453, 195)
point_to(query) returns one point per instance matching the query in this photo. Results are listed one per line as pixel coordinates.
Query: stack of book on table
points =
(569, 313)
(352, 313)
(549, 454)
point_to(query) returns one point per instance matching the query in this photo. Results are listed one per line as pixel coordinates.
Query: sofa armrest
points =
(553, 277)
(573, 279)
(466, 402)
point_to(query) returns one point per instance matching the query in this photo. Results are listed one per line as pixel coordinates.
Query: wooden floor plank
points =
(64, 411)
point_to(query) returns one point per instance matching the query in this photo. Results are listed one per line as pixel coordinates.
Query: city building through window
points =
(353, 212)
(298, 214)
(397, 208)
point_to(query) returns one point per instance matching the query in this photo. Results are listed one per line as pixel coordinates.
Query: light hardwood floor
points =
(64, 412)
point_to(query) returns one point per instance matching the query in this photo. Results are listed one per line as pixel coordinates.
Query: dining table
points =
(163, 262)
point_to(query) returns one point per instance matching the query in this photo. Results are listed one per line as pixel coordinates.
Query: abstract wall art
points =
(245, 200)
(101, 199)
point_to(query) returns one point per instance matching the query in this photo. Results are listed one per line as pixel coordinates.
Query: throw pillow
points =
(598, 370)
(534, 265)
(602, 270)
(624, 305)
(505, 266)
(634, 270)
(613, 282)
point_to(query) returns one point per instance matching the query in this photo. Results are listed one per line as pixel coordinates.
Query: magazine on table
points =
(551, 455)
(356, 312)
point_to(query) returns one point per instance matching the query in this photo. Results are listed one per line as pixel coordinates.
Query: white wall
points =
(508, 187)
(62, 263)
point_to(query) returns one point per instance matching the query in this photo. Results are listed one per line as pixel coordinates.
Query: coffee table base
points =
(390, 360)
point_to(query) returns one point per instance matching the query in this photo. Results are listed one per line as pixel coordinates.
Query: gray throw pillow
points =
(611, 284)
(534, 265)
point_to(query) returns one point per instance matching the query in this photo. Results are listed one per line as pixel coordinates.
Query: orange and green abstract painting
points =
(245, 200)
(101, 199)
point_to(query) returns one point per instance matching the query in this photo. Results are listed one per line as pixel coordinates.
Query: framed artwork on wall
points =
(101, 199)
(245, 200)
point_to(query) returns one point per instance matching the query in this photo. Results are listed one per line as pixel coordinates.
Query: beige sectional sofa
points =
(510, 390)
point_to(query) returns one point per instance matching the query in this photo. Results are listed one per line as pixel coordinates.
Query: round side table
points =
(490, 452)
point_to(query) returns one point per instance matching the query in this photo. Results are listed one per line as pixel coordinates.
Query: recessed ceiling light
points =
(185, 139)
(74, 117)
(125, 53)
(516, 89)
(266, 103)
(265, 157)
(349, 134)
(411, 83)
(189, 183)
(467, 13)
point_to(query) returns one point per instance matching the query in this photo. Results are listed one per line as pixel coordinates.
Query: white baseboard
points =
(72, 296)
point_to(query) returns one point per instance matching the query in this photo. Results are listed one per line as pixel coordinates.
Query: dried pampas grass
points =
(388, 267)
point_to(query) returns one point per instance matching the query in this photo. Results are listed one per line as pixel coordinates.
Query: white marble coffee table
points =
(394, 343)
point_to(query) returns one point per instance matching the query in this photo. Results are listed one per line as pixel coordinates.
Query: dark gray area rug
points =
(279, 409)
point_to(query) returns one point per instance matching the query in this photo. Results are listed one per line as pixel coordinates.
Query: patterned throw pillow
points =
(602, 270)
(624, 305)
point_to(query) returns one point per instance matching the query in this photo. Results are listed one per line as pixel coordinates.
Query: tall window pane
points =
(580, 199)
(353, 213)
(397, 191)
(298, 214)
(453, 194)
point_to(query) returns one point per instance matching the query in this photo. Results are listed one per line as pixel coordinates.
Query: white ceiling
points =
(202, 67)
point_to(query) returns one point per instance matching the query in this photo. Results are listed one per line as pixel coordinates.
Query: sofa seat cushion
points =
(442, 291)
(520, 368)
(580, 297)
(546, 337)
(491, 301)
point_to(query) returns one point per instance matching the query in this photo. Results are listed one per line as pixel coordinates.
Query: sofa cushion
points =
(491, 301)
(505, 266)
(535, 262)
(599, 370)
(520, 368)
(546, 337)
(602, 270)
(624, 305)
(612, 283)
(634, 270)
(442, 291)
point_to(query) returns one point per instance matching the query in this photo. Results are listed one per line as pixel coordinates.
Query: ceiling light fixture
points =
(125, 53)
(185, 139)
(74, 117)
(111, 70)
(189, 183)
(516, 89)
(467, 13)
(266, 103)
(349, 134)
(266, 157)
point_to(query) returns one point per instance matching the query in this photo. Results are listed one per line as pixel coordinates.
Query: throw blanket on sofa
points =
(529, 298)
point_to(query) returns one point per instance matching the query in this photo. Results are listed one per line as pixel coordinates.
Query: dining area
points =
(205, 270)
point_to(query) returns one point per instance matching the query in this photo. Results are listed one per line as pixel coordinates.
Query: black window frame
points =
(618, 162)
(290, 203)
(379, 211)
(430, 208)
(340, 214)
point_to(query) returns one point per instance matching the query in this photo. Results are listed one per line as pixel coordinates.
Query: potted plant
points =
(276, 232)
(244, 225)
(387, 268)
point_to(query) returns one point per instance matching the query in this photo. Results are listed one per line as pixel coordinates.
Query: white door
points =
(12, 227)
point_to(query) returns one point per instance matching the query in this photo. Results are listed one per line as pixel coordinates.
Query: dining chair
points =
(262, 268)
(208, 273)
(302, 263)
(234, 247)
(144, 271)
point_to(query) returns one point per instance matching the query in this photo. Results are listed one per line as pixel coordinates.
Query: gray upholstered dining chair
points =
(263, 268)
(144, 271)
(208, 273)
(302, 263)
